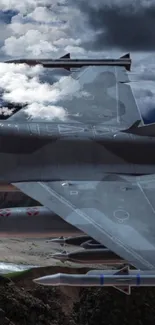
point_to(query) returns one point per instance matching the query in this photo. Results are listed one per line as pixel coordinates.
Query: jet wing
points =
(118, 212)
(99, 96)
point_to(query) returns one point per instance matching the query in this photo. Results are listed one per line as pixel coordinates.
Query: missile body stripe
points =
(138, 279)
(102, 279)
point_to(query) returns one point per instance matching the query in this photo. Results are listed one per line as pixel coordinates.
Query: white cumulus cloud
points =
(21, 85)
(45, 28)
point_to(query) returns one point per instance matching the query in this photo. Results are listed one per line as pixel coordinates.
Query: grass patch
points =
(13, 275)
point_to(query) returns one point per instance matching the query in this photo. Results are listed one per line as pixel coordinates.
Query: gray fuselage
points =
(51, 152)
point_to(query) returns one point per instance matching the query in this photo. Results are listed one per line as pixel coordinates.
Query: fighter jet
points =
(96, 170)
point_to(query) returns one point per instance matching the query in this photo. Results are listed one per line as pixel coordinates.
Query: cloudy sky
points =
(37, 28)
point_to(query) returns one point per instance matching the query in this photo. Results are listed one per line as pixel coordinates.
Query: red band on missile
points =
(5, 212)
(32, 211)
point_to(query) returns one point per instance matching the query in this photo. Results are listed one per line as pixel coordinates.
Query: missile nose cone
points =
(57, 240)
(60, 256)
(51, 280)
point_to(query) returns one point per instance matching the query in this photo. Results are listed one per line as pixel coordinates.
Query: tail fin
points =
(126, 56)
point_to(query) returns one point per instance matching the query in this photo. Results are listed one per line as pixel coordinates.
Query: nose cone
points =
(60, 256)
(49, 280)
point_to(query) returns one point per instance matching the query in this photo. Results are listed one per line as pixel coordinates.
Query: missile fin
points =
(66, 56)
(125, 56)
(67, 68)
(125, 289)
(127, 66)
(123, 271)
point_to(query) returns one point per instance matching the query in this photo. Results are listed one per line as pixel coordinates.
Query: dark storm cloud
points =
(123, 25)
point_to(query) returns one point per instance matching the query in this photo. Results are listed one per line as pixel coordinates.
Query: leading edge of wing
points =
(119, 215)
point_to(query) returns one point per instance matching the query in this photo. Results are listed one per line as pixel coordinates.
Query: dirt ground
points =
(28, 251)
(24, 303)
(25, 250)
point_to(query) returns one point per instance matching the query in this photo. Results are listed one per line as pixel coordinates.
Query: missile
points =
(75, 241)
(34, 222)
(90, 256)
(122, 280)
(68, 63)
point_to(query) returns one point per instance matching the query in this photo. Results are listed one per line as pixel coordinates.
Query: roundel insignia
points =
(32, 211)
(121, 215)
(5, 212)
